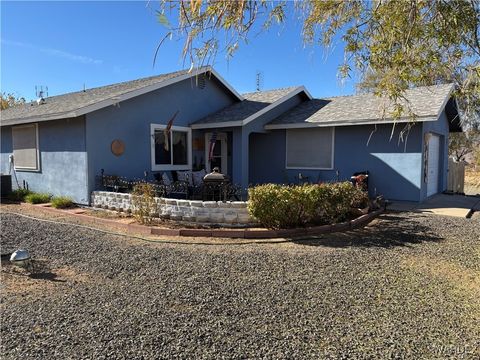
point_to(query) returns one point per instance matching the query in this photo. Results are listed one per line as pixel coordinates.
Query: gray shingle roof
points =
(252, 103)
(425, 102)
(58, 106)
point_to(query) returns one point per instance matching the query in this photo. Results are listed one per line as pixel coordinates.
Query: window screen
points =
(25, 147)
(310, 148)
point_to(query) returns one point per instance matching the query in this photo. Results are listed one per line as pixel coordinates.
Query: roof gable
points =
(253, 105)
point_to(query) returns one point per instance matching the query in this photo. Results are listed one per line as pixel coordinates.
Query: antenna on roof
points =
(259, 80)
(41, 94)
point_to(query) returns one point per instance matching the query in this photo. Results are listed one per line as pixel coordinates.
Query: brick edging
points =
(225, 233)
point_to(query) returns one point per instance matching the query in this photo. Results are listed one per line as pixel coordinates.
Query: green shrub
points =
(37, 198)
(143, 203)
(19, 194)
(289, 206)
(61, 202)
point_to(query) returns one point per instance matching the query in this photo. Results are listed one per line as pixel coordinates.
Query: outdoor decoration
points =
(117, 147)
(166, 132)
(22, 258)
(213, 140)
(360, 180)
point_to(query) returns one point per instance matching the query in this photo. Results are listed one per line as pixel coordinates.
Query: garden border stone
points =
(247, 233)
(194, 211)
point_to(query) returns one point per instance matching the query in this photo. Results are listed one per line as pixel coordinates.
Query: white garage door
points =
(433, 164)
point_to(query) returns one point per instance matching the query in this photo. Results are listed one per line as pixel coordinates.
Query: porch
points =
(230, 153)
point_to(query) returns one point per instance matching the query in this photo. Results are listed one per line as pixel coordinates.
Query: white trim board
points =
(345, 123)
(254, 116)
(125, 96)
(170, 167)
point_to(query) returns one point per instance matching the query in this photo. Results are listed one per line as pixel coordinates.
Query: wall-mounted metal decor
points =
(117, 147)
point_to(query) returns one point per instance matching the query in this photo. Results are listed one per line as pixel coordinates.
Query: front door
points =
(218, 156)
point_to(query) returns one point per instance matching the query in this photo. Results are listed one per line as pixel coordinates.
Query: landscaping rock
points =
(405, 287)
(230, 217)
(216, 217)
(196, 203)
(210, 204)
(238, 204)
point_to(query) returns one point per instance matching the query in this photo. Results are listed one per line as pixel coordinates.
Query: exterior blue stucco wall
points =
(63, 160)
(131, 123)
(441, 128)
(242, 139)
(395, 168)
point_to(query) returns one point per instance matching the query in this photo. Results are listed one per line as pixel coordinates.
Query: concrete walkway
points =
(441, 204)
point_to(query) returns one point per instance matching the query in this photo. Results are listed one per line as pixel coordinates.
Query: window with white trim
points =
(310, 148)
(25, 147)
(171, 151)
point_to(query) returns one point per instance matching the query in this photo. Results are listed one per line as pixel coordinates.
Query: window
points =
(310, 148)
(25, 147)
(174, 153)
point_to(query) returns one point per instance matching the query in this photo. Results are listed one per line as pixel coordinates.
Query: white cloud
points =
(55, 52)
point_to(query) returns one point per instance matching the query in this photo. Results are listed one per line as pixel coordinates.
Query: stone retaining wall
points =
(234, 212)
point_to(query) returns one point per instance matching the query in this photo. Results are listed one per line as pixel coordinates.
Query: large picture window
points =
(174, 152)
(310, 148)
(25, 147)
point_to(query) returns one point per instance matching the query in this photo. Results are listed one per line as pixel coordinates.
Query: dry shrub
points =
(143, 203)
(61, 202)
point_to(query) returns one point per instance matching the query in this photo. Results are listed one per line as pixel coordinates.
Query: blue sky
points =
(64, 45)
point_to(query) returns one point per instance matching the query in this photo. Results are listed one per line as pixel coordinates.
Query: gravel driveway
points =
(408, 286)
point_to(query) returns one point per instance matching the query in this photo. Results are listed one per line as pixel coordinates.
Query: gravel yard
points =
(407, 286)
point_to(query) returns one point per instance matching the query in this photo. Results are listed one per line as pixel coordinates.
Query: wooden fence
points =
(456, 176)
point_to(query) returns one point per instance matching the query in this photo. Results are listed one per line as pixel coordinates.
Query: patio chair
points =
(176, 189)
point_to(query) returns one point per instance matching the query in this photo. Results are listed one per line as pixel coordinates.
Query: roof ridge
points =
(276, 89)
(179, 72)
(371, 93)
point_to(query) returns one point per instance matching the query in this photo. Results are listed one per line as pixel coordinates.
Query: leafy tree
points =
(476, 158)
(9, 100)
(394, 44)
(464, 143)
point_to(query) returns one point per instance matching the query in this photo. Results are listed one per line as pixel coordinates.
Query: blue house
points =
(61, 143)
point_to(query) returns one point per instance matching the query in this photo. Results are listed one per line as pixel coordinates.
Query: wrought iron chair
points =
(220, 191)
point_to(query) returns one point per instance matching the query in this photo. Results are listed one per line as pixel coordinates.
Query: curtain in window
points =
(162, 157)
